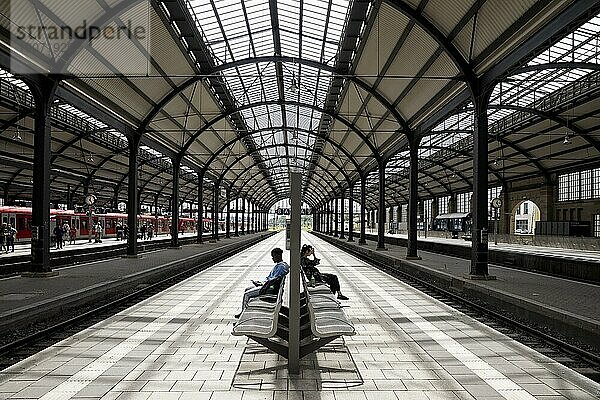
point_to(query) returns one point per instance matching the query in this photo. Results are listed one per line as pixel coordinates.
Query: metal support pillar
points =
(363, 205)
(215, 213)
(132, 192)
(243, 228)
(175, 204)
(479, 233)
(336, 212)
(228, 217)
(413, 177)
(248, 226)
(381, 213)
(350, 214)
(294, 292)
(342, 209)
(328, 211)
(43, 89)
(200, 205)
(237, 220)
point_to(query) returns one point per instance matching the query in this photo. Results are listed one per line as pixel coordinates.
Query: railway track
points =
(573, 356)
(42, 336)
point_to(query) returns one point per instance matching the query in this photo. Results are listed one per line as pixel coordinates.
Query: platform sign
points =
(287, 234)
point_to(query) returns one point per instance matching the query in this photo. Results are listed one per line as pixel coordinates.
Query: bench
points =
(322, 320)
(260, 319)
(327, 319)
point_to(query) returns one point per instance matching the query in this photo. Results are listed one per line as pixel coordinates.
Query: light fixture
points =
(294, 85)
(496, 161)
(567, 139)
(91, 158)
(295, 134)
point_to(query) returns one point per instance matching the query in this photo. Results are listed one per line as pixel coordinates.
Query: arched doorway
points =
(524, 217)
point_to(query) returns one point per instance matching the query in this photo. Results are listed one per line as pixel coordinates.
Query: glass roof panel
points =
(523, 90)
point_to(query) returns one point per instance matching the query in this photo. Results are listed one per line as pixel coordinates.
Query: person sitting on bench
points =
(310, 270)
(281, 268)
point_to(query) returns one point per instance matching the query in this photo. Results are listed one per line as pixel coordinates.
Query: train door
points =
(10, 218)
(84, 229)
(75, 224)
(23, 226)
(111, 225)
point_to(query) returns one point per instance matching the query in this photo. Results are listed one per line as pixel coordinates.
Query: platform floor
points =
(24, 248)
(569, 254)
(18, 293)
(177, 345)
(565, 295)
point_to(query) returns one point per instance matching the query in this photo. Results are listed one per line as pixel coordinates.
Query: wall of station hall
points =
(542, 193)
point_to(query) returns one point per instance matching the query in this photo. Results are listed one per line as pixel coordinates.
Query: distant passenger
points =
(281, 268)
(72, 234)
(98, 232)
(126, 232)
(58, 236)
(3, 233)
(10, 234)
(310, 270)
(66, 229)
(119, 232)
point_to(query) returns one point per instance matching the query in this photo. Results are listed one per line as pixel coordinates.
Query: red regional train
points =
(20, 218)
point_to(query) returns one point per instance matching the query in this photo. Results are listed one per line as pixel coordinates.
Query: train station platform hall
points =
(178, 345)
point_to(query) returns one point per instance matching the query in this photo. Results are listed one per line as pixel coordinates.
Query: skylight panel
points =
(7, 76)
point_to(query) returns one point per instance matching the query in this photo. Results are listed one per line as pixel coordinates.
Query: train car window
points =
(12, 221)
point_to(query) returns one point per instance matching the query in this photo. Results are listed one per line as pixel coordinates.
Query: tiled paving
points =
(568, 297)
(177, 345)
(24, 247)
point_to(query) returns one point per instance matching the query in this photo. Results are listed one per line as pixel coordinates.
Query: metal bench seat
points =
(331, 323)
(260, 318)
(327, 319)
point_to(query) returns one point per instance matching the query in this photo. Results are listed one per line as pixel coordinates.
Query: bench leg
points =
(276, 347)
(315, 345)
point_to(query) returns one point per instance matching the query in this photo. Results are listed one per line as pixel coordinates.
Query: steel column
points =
(479, 234)
(342, 235)
(381, 212)
(350, 214)
(228, 217)
(237, 221)
(242, 220)
(335, 217)
(248, 215)
(175, 204)
(43, 90)
(413, 178)
(363, 203)
(200, 205)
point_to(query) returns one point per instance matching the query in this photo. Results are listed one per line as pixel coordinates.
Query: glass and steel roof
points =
(236, 30)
